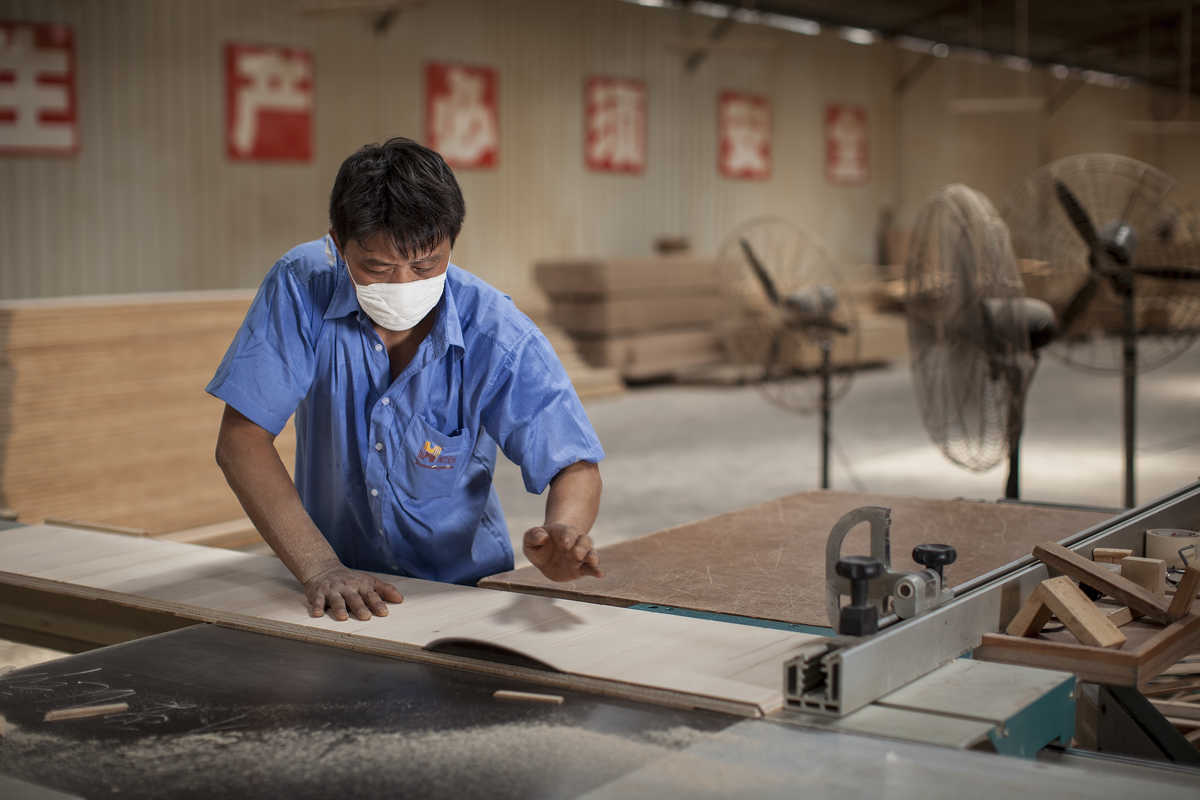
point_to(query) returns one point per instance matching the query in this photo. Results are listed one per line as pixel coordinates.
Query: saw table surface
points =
(216, 712)
(768, 561)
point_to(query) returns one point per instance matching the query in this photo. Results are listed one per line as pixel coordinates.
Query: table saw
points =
(237, 692)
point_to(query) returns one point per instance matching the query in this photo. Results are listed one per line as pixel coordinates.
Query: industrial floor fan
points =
(974, 336)
(787, 322)
(1119, 263)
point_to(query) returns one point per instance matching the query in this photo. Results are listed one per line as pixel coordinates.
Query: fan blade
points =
(773, 354)
(1079, 218)
(1169, 273)
(1079, 302)
(761, 272)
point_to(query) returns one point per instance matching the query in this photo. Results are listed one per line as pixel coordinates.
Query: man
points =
(404, 373)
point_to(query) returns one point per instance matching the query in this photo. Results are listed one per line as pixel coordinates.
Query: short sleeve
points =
(269, 367)
(532, 411)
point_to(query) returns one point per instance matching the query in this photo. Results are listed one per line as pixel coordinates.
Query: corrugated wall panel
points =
(151, 203)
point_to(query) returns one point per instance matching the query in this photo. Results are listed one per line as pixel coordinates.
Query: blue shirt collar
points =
(447, 331)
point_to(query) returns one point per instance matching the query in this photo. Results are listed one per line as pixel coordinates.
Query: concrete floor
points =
(677, 454)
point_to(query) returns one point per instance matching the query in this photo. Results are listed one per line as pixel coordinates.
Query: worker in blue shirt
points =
(404, 373)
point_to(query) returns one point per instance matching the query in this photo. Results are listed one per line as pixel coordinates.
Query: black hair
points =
(400, 188)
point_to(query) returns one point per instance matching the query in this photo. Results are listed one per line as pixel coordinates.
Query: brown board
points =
(768, 561)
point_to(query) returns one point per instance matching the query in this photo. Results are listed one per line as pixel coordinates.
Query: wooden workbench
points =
(768, 561)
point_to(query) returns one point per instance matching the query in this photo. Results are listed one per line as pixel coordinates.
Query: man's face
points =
(376, 260)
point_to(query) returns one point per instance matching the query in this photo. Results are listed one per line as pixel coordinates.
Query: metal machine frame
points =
(844, 674)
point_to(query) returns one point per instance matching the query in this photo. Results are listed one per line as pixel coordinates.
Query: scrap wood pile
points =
(1116, 619)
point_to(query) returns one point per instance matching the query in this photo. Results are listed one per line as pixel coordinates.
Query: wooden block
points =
(1032, 617)
(1089, 624)
(1120, 616)
(1124, 590)
(83, 712)
(528, 697)
(3, 726)
(1172, 708)
(1155, 688)
(1110, 555)
(1150, 573)
(1193, 736)
(1185, 592)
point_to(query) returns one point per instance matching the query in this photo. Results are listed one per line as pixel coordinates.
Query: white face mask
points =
(399, 306)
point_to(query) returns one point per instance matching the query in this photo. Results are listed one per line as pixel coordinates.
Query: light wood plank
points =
(643, 650)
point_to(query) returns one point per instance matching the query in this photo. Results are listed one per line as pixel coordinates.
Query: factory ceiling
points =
(1140, 39)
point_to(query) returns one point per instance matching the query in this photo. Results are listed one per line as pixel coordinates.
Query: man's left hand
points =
(561, 552)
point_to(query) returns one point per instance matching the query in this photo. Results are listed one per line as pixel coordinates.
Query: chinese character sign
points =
(268, 103)
(615, 125)
(846, 144)
(461, 121)
(38, 111)
(744, 136)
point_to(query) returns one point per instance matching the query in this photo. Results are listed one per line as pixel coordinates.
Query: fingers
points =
(337, 607)
(591, 565)
(357, 607)
(567, 538)
(375, 603)
(388, 592)
(316, 606)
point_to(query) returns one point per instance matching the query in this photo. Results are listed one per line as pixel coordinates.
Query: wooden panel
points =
(768, 561)
(735, 665)
(114, 427)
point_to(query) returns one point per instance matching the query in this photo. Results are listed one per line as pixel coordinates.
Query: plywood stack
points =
(103, 414)
(645, 317)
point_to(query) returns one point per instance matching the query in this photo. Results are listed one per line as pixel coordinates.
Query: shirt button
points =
(387, 401)
(378, 346)
(374, 493)
(379, 445)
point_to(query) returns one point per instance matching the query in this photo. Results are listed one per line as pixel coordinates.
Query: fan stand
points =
(1124, 287)
(826, 407)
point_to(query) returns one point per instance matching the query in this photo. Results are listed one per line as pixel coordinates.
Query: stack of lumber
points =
(645, 317)
(662, 317)
(103, 413)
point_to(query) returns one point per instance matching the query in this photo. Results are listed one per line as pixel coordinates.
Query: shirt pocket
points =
(433, 461)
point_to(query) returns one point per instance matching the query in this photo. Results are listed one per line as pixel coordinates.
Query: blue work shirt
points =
(398, 474)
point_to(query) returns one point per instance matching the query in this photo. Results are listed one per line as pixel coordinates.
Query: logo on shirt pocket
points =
(431, 457)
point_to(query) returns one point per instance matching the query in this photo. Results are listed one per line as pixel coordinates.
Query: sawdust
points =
(514, 759)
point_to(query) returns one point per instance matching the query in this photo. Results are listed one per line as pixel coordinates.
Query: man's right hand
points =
(340, 589)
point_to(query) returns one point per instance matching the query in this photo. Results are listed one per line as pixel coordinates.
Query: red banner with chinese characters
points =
(268, 103)
(744, 136)
(461, 119)
(846, 153)
(615, 125)
(38, 105)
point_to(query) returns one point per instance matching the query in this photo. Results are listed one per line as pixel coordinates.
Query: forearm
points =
(252, 466)
(574, 498)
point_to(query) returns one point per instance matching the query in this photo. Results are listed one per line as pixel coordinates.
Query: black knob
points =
(934, 556)
(861, 617)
